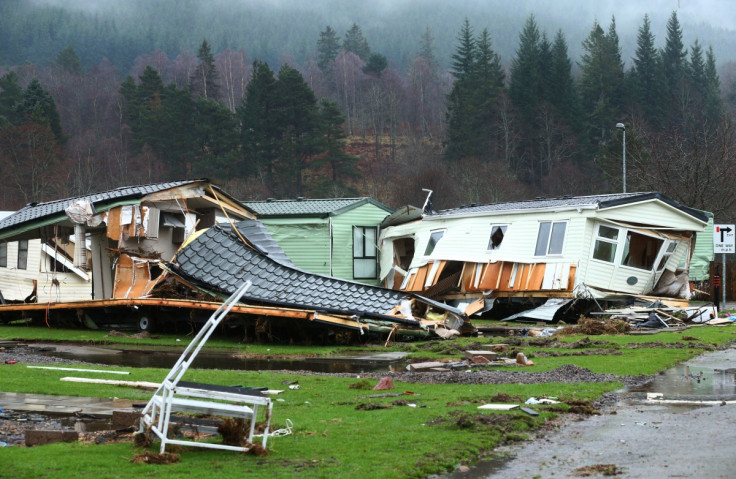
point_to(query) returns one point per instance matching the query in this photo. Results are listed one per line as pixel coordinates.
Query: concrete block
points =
(46, 436)
(123, 419)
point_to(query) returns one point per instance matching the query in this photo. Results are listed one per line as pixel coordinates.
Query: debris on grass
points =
(148, 457)
(591, 326)
(232, 431)
(370, 406)
(362, 384)
(597, 469)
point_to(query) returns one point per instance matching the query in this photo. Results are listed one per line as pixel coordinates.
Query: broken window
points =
(23, 254)
(433, 240)
(497, 234)
(641, 250)
(550, 238)
(364, 252)
(403, 252)
(605, 244)
(667, 254)
(3, 254)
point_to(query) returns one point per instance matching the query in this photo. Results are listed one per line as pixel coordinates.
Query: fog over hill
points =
(274, 30)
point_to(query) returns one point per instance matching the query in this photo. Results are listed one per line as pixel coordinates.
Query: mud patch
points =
(594, 327)
(597, 469)
(148, 457)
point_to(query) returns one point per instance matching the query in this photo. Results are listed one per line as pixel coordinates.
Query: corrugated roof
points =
(309, 207)
(218, 260)
(600, 201)
(37, 211)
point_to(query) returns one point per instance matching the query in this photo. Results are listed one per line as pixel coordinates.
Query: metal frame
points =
(171, 396)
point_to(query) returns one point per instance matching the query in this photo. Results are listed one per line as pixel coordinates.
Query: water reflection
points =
(206, 360)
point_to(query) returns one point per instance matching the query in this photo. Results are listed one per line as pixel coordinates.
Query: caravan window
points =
(364, 252)
(671, 246)
(640, 251)
(550, 238)
(23, 254)
(3, 254)
(605, 243)
(497, 234)
(433, 240)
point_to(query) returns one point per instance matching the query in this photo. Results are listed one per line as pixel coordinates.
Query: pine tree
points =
(11, 95)
(342, 166)
(601, 85)
(68, 60)
(356, 43)
(462, 131)
(561, 88)
(375, 65)
(488, 82)
(525, 86)
(647, 76)
(328, 46)
(674, 65)
(298, 116)
(713, 102)
(37, 106)
(426, 48)
(260, 130)
(204, 80)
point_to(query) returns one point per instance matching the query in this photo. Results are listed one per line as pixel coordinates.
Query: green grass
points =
(331, 437)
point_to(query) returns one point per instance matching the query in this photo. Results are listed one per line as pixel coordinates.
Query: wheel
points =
(145, 324)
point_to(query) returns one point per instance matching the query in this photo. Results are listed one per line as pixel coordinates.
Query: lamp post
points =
(623, 128)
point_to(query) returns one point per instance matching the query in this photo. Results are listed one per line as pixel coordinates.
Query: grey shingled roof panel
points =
(601, 201)
(37, 211)
(301, 207)
(257, 234)
(218, 260)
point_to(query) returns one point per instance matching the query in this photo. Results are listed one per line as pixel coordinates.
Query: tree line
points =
(349, 122)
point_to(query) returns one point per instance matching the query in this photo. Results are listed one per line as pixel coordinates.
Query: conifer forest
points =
(300, 104)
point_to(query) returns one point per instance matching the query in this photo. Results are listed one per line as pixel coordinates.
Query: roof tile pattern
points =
(599, 201)
(219, 260)
(302, 207)
(37, 211)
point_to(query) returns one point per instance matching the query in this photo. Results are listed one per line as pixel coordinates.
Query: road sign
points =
(724, 239)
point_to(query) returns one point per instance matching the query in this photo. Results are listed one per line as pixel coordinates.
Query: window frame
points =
(427, 250)
(494, 227)
(22, 260)
(549, 235)
(364, 256)
(603, 239)
(3, 254)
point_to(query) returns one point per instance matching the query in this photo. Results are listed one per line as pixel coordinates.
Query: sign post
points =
(724, 241)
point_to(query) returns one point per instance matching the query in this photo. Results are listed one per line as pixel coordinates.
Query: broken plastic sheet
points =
(545, 312)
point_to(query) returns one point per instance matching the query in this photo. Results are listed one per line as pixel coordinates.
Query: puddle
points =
(708, 377)
(158, 358)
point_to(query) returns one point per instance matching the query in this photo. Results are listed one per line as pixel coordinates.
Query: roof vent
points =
(540, 198)
(270, 200)
(300, 198)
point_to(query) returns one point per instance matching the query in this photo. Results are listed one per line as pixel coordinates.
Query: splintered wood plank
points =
(491, 275)
(505, 277)
(123, 277)
(536, 277)
(113, 223)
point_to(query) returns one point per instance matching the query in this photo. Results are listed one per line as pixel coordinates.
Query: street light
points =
(623, 128)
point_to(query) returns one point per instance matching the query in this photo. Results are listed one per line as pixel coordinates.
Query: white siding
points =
(17, 284)
(654, 213)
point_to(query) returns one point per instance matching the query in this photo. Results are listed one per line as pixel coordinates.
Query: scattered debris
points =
(597, 469)
(384, 383)
(148, 457)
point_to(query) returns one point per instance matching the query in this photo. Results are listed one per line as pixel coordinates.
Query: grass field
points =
(338, 431)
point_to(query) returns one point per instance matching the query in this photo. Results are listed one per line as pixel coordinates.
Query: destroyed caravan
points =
(147, 255)
(595, 247)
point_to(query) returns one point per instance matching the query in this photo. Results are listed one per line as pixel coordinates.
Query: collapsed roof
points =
(221, 258)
